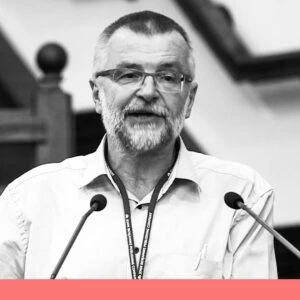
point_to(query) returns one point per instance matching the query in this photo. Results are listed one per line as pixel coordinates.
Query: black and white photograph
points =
(149, 139)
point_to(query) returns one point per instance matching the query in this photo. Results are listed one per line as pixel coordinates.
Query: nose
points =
(148, 90)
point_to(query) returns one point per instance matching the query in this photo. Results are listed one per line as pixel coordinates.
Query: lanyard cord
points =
(128, 225)
(148, 225)
(137, 272)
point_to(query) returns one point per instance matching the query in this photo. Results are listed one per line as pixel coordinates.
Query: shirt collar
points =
(97, 166)
(184, 167)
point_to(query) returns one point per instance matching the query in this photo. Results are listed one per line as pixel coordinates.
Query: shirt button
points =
(136, 250)
(140, 206)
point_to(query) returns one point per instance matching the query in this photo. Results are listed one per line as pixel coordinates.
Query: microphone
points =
(235, 201)
(98, 202)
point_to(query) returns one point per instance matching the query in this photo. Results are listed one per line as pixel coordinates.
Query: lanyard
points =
(137, 272)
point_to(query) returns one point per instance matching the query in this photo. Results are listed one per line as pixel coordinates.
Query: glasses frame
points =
(111, 73)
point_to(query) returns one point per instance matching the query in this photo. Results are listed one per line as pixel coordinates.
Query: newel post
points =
(53, 106)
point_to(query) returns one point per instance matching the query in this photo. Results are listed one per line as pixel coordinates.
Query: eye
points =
(168, 77)
(124, 76)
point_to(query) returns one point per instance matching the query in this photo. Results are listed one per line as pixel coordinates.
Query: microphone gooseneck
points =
(235, 201)
(98, 202)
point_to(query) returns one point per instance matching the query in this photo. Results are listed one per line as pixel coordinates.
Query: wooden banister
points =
(54, 107)
(42, 132)
(16, 80)
(19, 125)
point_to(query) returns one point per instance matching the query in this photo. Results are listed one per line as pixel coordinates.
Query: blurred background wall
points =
(255, 123)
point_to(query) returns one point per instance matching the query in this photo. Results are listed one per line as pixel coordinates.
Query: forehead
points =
(150, 52)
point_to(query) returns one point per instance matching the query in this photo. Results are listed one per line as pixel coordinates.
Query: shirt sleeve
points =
(12, 238)
(251, 247)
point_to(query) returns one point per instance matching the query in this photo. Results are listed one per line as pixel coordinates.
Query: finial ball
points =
(51, 58)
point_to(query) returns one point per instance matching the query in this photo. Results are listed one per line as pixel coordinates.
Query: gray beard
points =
(146, 138)
(140, 138)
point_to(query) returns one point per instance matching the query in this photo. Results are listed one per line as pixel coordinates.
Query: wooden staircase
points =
(41, 131)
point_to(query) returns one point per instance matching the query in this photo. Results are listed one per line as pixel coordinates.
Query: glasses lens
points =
(169, 81)
(166, 81)
(127, 76)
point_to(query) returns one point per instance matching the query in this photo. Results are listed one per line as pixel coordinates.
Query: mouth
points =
(144, 116)
(143, 113)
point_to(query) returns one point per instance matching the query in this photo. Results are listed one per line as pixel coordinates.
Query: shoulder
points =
(217, 165)
(229, 171)
(52, 172)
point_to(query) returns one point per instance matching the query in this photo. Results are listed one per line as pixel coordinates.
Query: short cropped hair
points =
(145, 22)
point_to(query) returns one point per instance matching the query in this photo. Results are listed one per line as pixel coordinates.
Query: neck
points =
(141, 172)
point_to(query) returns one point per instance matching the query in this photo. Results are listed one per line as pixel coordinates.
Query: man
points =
(165, 215)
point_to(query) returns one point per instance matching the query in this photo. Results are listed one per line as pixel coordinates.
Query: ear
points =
(95, 93)
(190, 99)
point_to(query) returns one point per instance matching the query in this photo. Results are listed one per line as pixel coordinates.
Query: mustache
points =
(146, 109)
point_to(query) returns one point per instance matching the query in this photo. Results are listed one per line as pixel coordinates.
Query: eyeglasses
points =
(165, 81)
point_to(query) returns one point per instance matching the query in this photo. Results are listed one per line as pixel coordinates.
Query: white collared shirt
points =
(194, 234)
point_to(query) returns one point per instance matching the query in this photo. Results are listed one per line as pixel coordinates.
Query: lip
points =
(143, 116)
(143, 111)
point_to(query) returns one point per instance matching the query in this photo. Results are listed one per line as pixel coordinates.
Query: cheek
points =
(176, 105)
(117, 97)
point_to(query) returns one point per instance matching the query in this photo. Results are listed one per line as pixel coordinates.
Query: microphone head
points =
(232, 199)
(99, 202)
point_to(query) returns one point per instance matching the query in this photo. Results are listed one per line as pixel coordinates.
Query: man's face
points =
(145, 118)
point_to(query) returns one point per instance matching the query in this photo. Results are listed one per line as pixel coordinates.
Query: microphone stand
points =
(71, 242)
(98, 202)
(278, 236)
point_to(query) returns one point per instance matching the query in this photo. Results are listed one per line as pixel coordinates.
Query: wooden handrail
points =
(41, 132)
(214, 23)
(20, 126)
(18, 80)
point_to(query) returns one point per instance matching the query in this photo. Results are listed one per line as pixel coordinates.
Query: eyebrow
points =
(167, 65)
(175, 65)
(170, 65)
(129, 65)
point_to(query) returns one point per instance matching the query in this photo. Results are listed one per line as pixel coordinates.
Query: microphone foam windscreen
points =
(100, 200)
(232, 199)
